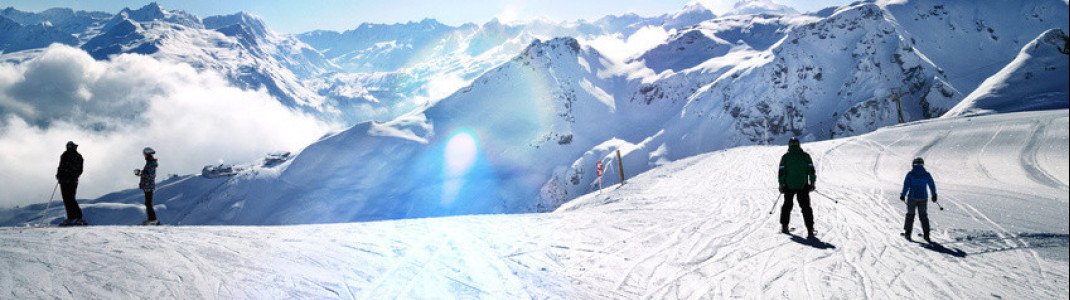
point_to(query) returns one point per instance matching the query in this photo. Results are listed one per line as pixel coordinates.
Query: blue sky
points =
(299, 16)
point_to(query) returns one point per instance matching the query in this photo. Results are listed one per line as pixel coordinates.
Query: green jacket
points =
(796, 169)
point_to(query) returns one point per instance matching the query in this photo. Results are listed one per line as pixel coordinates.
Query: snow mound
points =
(1037, 79)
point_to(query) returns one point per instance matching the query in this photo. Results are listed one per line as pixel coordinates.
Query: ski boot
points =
(784, 229)
(73, 222)
(907, 236)
(810, 234)
(151, 223)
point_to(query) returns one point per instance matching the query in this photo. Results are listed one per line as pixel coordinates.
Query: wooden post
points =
(620, 166)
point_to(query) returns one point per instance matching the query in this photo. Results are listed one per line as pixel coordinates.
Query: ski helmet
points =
(148, 151)
(794, 141)
(918, 162)
(71, 145)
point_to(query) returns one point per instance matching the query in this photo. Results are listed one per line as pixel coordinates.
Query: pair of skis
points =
(61, 225)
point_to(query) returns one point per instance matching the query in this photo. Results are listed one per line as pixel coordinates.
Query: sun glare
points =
(460, 153)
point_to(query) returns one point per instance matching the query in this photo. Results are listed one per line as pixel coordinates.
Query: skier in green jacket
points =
(797, 177)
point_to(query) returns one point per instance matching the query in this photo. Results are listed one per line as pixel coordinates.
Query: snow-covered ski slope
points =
(695, 228)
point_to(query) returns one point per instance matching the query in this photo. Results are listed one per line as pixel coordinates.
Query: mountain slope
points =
(970, 42)
(238, 46)
(17, 37)
(827, 78)
(1036, 80)
(467, 154)
(81, 24)
(531, 119)
(694, 228)
(294, 55)
(715, 38)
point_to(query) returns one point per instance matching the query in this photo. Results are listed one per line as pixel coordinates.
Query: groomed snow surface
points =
(694, 228)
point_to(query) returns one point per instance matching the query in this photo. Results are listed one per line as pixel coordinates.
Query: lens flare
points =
(460, 154)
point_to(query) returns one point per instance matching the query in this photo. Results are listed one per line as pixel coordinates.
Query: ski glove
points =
(810, 188)
(934, 198)
(783, 189)
(902, 198)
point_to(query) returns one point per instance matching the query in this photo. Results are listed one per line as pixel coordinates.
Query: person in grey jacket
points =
(148, 184)
(915, 193)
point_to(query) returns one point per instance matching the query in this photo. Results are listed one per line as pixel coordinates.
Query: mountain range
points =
(510, 118)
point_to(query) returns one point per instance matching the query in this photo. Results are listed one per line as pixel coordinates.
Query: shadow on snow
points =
(812, 242)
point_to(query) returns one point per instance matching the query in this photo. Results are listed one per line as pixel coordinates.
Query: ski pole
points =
(938, 205)
(44, 214)
(775, 202)
(827, 197)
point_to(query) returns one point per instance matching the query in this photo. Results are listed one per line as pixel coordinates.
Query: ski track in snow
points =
(696, 228)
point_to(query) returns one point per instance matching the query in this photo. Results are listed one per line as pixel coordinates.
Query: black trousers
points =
(148, 205)
(804, 204)
(919, 206)
(68, 189)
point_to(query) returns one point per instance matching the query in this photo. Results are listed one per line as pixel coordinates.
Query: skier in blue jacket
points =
(915, 193)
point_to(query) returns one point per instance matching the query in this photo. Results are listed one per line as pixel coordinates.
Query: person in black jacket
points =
(148, 184)
(70, 168)
(797, 177)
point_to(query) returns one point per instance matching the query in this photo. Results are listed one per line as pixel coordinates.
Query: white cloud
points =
(511, 12)
(509, 15)
(717, 6)
(114, 108)
(620, 49)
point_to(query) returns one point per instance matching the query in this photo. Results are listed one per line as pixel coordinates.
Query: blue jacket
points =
(916, 182)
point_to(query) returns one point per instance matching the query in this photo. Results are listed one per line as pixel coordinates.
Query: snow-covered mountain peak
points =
(423, 24)
(690, 15)
(539, 48)
(1054, 37)
(153, 12)
(1035, 80)
(252, 23)
(431, 22)
(693, 7)
(16, 37)
(757, 7)
(691, 47)
(81, 24)
(548, 108)
(824, 79)
(973, 40)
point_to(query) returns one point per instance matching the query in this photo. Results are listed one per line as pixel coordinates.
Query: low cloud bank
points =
(114, 108)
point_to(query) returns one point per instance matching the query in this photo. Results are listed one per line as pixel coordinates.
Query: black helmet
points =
(71, 145)
(794, 141)
(918, 162)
